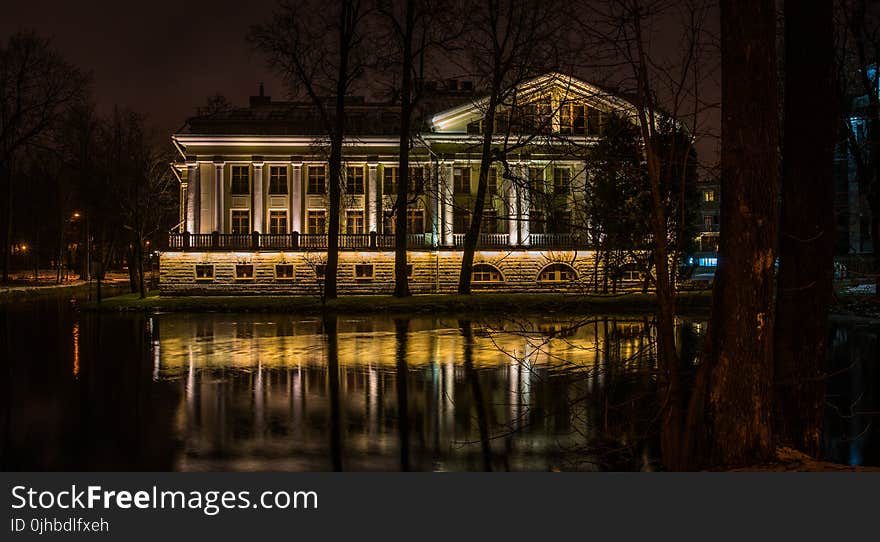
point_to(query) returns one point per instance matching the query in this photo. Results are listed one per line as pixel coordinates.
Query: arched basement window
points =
(557, 272)
(484, 272)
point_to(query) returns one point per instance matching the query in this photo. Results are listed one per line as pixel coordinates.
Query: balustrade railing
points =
(357, 241)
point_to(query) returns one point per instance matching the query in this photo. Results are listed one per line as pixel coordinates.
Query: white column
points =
(523, 197)
(372, 196)
(218, 197)
(510, 191)
(447, 204)
(296, 195)
(259, 209)
(192, 197)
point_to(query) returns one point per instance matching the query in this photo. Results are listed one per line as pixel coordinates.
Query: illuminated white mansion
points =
(254, 184)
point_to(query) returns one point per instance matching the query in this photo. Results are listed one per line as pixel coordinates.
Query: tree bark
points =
(737, 360)
(806, 230)
(401, 280)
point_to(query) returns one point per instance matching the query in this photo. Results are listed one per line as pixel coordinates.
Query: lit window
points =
(278, 179)
(485, 273)
(707, 262)
(415, 220)
(284, 271)
(461, 180)
(709, 196)
(354, 222)
(241, 221)
(389, 180)
(317, 180)
(204, 272)
(561, 180)
(277, 222)
(354, 180)
(244, 271)
(557, 272)
(240, 180)
(630, 272)
(363, 271)
(316, 220)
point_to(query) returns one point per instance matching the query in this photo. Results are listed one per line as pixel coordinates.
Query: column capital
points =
(296, 161)
(192, 161)
(257, 161)
(219, 161)
(372, 161)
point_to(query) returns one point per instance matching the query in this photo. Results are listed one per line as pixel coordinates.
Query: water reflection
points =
(281, 392)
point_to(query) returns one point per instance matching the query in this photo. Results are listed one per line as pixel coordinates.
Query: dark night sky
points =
(161, 58)
(164, 58)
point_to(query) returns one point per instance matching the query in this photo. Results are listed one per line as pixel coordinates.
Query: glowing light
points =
(76, 349)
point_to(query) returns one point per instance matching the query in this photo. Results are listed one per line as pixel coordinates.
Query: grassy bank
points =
(489, 303)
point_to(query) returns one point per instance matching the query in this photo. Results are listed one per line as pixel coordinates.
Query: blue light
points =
(708, 262)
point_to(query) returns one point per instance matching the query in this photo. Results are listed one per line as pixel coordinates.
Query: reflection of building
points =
(254, 187)
(258, 392)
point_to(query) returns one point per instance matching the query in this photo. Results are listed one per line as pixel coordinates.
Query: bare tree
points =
(416, 28)
(317, 49)
(36, 84)
(507, 45)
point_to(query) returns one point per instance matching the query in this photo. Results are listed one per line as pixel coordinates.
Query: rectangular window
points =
(415, 220)
(240, 180)
(244, 271)
(284, 271)
(709, 196)
(536, 179)
(278, 179)
(388, 221)
(277, 222)
(389, 180)
(204, 272)
(317, 180)
(461, 220)
(354, 180)
(461, 180)
(492, 182)
(363, 271)
(354, 222)
(561, 180)
(241, 221)
(316, 220)
(489, 224)
(573, 119)
(416, 180)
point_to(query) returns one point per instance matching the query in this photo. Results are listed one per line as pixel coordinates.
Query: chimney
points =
(262, 99)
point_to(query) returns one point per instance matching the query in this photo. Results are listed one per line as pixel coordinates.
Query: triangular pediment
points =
(554, 87)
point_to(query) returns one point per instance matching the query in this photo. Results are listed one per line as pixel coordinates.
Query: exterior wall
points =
(432, 272)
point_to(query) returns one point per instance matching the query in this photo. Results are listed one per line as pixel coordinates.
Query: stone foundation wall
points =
(432, 272)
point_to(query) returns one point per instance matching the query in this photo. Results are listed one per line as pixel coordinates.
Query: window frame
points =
(235, 187)
(355, 182)
(232, 215)
(204, 278)
(458, 179)
(282, 212)
(244, 277)
(555, 267)
(285, 278)
(278, 174)
(358, 267)
(320, 186)
(323, 216)
(492, 270)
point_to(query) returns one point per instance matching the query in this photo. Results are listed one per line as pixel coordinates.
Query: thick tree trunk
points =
(401, 280)
(806, 230)
(473, 234)
(737, 362)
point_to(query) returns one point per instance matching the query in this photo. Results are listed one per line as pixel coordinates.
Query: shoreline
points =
(689, 303)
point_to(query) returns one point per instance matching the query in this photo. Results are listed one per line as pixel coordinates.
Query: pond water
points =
(285, 392)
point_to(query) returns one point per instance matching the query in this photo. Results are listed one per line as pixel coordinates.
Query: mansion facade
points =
(254, 194)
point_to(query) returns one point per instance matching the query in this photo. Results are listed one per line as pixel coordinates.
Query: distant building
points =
(254, 204)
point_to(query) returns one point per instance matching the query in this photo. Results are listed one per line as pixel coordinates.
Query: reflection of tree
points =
(402, 328)
(473, 380)
(331, 334)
